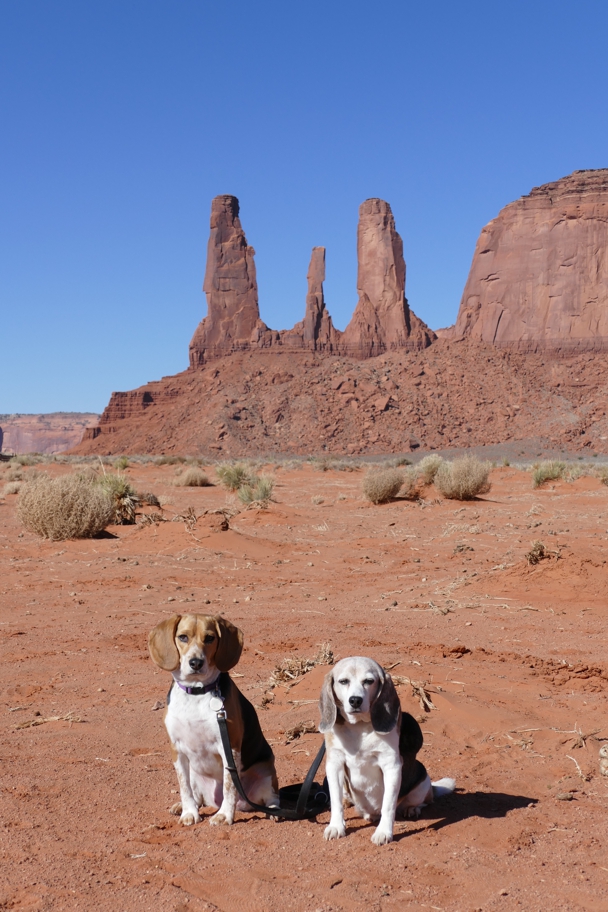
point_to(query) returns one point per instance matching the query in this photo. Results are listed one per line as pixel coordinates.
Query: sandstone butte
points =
(537, 289)
(539, 277)
(50, 433)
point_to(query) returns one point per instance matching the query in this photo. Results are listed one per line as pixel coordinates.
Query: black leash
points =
(302, 810)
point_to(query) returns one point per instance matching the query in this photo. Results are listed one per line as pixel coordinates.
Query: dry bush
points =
(193, 478)
(428, 467)
(603, 474)
(124, 498)
(13, 487)
(233, 475)
(150, 499)
(537, 553)
(331, 464)
(121, 463)
(259, 493)
(290, 670)
(14, 474)
(317, 499)
(463, 479)
(382, 485)
(410, 488)
(547, 471)
(66, 507)
(169, 460)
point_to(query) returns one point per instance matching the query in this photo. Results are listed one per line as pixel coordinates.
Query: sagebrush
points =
(70, 506)
(428, 467)
(463, 479)
(380, 486)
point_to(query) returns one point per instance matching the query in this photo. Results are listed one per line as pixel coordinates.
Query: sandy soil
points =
(514, 657)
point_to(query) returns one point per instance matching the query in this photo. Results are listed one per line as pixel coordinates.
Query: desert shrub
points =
(603, 474)
(234, 475)
(150, 499)
(13, 487)
(317, 499)
(27, 459)
(428, 467)
(121, 463)
(547, 471)
(401, 461)
(331, 464)
(169, 460)
(260, 492)
(463, 479)
(123, 497)
(382, 485)
(193, 478)
(410, 487)
(66, 507)
(14, 474)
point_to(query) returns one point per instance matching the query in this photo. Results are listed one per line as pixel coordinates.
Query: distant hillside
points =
(50, 433)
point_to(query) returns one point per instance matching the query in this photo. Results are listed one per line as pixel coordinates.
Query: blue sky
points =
(121, 119)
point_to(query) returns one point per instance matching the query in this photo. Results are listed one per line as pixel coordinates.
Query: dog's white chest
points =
(365, 753)
(193, 728)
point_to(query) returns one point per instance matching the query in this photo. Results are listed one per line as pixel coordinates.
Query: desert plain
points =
(511, 658)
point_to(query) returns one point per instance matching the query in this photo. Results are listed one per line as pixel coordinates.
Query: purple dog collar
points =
(201, 689)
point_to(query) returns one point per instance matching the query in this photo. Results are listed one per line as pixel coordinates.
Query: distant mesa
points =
(382, 320)
(539, 277)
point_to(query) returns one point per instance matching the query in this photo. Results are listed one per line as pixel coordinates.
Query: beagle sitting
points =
(371, 750)
(199, 650)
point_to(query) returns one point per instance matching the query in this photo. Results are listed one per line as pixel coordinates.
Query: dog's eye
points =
(183, 638)
(209, 638)
(368, 682)
(343, 681)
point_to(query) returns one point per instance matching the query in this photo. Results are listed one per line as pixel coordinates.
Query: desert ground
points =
(511, 655)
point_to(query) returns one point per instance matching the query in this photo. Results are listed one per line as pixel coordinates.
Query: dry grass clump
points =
(258, 491)
(233, 475)
(290, 670)
(463, 479)
(428, 467)
(410, 488)
(331, 464)
(121, 463)
(603, 474)
(317, 499)
(193, 478)
(169, 460)
(380, 486)
(551, 470)
(66, 507)
(125, 499)
(13, 487)
(537, 553)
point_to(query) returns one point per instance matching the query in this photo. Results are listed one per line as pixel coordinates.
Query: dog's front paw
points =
(334, 832)
(176, 809)
(189, 818)
(219, 819)
(382, 837)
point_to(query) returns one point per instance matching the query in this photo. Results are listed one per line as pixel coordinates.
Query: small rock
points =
(171, 598)
(564, 796)
(160, 704)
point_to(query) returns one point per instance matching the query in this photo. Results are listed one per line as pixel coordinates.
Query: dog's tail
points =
(443, 787)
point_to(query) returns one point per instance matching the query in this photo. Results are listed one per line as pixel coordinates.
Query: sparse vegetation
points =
(317, 499)
(193, 478)
(169, 460)
(410, 489)
(463, 479)
(124, 498)
(121, 463)
(331, 463)
(603, 474)
(150, 499)
(428, 467)
(288, 671)
(380, 486)
(260, 492)
(234, 475)
(70, 506)
(551, 470)
(13, 487)
(537, 553)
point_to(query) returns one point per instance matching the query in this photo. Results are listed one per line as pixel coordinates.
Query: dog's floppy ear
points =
(327, 704)
(384, 712)
(230, 644)
(161, 643)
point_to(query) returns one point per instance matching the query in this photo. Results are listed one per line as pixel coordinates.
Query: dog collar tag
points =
(216, 703)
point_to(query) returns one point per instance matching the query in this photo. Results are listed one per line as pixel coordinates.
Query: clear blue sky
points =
(121, 119)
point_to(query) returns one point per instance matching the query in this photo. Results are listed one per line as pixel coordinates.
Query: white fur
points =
(364, 763)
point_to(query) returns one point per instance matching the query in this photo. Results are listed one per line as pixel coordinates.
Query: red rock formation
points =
(233, 315)
(382, 320)
(51, 433)
(539, 277)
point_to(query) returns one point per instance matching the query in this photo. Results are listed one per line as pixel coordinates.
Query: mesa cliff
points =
(539, 277)
(382, 320)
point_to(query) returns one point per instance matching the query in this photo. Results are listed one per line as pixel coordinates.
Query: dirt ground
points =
(513, 656)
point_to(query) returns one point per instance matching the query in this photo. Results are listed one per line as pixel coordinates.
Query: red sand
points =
(515, 666)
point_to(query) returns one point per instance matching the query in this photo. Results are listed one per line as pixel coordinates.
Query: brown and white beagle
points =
(199, 650)
(371, 750)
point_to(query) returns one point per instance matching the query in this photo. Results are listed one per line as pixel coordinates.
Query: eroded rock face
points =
(539, 277)
(382, 320)
(233, 315)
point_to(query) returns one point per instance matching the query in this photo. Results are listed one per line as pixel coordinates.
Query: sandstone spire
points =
(382, 320)
(539, 277)
(230, 286)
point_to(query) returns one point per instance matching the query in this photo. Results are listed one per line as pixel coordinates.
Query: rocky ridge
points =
(539, 276)
(50, 433)
(382, 320)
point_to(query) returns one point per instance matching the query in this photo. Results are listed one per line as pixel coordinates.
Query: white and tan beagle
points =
(371, 750)
(199, 650)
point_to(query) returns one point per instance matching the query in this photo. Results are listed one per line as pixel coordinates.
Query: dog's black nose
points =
(355, 702)
(196, 664)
